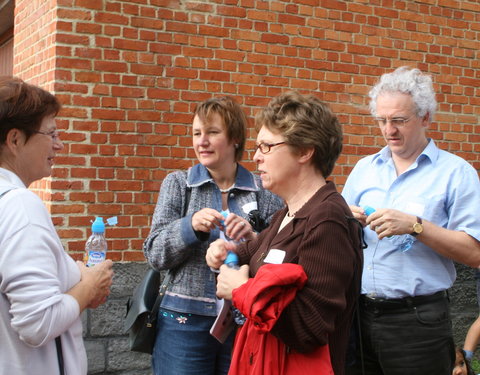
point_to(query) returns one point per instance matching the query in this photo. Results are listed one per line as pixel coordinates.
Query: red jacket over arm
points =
(262, 300)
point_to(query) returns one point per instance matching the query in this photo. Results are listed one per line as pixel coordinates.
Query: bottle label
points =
(95, 257)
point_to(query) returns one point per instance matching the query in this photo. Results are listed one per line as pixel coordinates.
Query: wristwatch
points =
(417, 227)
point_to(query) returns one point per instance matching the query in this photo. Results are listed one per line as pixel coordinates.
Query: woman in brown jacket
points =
(299, 139)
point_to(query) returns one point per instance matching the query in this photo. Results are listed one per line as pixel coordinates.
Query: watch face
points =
(418, 228)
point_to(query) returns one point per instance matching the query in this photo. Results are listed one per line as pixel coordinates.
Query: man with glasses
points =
(419, 208)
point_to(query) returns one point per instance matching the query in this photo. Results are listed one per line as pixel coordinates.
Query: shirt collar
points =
(9, 176)
(430, 152)
(321, 195)
(198, 175)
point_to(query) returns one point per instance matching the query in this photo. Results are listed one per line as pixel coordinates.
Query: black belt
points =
(399, 303)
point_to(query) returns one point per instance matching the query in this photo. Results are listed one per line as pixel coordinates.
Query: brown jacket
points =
(327, 245)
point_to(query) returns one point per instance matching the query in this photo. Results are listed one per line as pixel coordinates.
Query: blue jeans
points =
(184, 346)
(407, 341)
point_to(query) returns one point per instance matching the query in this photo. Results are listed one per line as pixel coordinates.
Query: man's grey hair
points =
(407, 81)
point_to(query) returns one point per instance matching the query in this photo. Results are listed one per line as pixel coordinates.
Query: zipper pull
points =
(261, 257)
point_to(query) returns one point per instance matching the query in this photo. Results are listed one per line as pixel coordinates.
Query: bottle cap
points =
(231, 258)
(224, 213)
(368, 210)
(98, 225)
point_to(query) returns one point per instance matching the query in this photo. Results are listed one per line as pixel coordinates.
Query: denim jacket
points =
(173, 244)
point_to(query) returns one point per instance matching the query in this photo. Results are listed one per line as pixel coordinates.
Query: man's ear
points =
(426, 120)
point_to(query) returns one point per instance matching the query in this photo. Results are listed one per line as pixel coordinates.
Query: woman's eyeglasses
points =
(266, 147)
(54, 134)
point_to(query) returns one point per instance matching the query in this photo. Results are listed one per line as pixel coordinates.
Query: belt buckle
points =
(373, 297)
(375, 301)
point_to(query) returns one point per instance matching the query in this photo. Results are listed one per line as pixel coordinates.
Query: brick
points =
(72, 39)
(333, 4)
(110, 18)
(65, 13)
(133, 45)
(108, 114)
(88, 28)
(110, 66)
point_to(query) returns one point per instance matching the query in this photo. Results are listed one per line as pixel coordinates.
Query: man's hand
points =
(388, 222)
(359, 214)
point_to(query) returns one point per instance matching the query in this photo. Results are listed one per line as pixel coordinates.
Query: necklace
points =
(289, 214)
(227, 189)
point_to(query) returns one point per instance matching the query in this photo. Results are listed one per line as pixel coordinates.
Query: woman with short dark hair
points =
(43, 292)
(300, 278)
(188, 217)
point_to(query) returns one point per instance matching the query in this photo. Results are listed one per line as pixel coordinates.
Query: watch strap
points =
(419, 221)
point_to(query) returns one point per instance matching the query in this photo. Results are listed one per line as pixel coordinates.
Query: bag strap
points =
(158, 300)
(58, 343)
(5, 192)
(356, 313)
(168, 276)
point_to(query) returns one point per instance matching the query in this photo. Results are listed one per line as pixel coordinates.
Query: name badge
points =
(275, 256)
(249, 207)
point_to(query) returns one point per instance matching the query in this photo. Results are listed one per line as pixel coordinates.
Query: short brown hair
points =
(233, 118)
(304, 121)
(23, 106)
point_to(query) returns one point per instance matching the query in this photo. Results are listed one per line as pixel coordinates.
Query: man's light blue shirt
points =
(438, 187)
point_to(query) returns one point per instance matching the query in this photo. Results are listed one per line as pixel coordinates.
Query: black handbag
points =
(142, 310)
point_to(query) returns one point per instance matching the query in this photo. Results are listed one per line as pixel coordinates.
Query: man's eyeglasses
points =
(396, 122)
(266, 147)
(54, 134)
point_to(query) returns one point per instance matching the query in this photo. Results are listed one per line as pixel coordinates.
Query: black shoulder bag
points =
(142, 307)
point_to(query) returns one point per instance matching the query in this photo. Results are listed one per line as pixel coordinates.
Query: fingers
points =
(245, 271)
(206, 219)
(102, 275)
(230, 279)
(238, 228)
(389, 222)
(216, 254)
(359, 214)
(356, 210)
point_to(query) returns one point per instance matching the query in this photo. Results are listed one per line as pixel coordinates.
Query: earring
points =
(236, 145)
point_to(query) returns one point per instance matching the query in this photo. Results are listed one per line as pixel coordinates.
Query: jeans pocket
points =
(431, 314)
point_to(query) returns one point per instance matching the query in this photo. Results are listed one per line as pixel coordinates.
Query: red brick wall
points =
(6, 52)
(34, 56)
(130, 73)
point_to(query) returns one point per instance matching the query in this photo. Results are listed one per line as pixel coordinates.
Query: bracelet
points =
(468, 354)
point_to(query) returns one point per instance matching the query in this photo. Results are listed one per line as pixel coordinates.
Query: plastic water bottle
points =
(406, 239)
(96, 245)
(232, 260)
